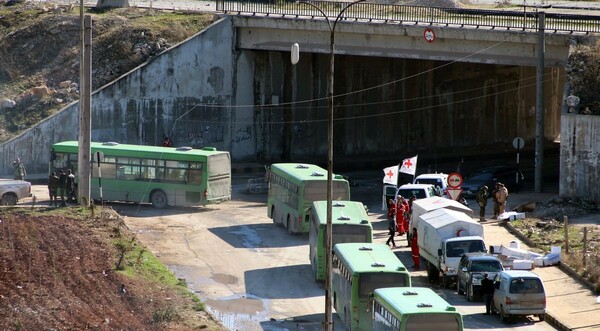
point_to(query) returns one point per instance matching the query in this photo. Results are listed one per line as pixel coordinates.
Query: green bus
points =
(349, 224)
(292, 189)
(413, 308)
(162, 176)
(357, 270)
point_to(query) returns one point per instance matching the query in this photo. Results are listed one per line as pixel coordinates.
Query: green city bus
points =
(413, 308)
(357, 270)
(292, 189)
(162, 176)
(349, 224)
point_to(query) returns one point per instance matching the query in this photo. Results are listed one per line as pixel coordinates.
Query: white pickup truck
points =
(12, 190)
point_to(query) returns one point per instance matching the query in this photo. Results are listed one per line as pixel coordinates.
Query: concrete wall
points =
(399, 107)
(580, 156)
(181, 92)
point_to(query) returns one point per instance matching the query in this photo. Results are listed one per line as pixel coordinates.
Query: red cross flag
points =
(391, 175)
(409, 166)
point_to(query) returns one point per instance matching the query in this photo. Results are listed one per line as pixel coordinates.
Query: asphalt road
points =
(251, 274)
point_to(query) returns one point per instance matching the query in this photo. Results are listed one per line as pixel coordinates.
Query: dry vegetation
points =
(548, 229)
(39, 53)
(64, 269)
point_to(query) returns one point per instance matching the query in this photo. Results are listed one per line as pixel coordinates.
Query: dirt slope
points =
(57, 272)
(39, 53)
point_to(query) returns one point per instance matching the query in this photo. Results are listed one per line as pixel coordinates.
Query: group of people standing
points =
(62, 185)
(499, 196)
(398, 222)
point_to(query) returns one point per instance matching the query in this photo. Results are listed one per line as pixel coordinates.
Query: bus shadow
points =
(300, 280)
(313, 322)
(146, 210)
(259, 236)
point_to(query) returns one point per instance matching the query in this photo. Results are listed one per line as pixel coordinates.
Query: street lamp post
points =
(328, 325)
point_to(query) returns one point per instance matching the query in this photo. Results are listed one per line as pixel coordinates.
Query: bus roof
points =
(369, 257)
(303, 171)
(342, 212)
(116, 149)
(413, 300)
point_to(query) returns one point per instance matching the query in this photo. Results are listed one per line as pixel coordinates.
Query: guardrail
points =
(402, 14)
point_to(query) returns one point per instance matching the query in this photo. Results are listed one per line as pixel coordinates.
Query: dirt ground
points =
(57, 272)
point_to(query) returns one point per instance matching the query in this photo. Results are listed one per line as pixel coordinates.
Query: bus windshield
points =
(349, 233)
(317, 190)
(368, 282)
(433, 322)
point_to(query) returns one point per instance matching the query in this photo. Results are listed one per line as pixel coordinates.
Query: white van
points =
(421, 191)
(519, 292)
(440, 180)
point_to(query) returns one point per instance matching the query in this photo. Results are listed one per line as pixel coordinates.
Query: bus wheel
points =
(158, 199)
(9, 199)
(273, 215)
(288, 224)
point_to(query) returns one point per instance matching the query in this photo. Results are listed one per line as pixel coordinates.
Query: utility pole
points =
(539, 109)
(85, 106)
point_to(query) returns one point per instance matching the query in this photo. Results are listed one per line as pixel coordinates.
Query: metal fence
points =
(457, 17)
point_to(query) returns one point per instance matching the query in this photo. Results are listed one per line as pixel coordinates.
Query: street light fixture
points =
(328, 325)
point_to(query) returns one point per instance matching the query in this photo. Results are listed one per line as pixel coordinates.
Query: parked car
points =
(471, 268)
(421, 191)
(490, 176)
(440, 180)
(11, 191)
(519, 292)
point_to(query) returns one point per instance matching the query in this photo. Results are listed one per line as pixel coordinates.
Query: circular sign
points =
(518, 143)
(429, 35)
(455, 180)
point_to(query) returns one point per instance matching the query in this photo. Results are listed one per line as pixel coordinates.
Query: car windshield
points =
(432, 181)
(493, 266)
(407, 193)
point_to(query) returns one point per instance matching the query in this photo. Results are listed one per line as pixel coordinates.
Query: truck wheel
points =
(458, 289)
(542, 317)
(9, 199)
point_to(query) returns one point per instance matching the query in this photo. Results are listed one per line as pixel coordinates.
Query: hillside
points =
(39, 53)
(66, 269)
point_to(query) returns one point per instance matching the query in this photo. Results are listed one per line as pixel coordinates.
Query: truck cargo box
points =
(423, 206)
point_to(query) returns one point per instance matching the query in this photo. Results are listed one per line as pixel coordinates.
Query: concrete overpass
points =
(467, 91)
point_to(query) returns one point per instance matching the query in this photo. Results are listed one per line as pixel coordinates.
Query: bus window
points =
(432, 322)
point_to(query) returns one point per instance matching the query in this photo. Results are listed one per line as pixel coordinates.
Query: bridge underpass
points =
(464, 92)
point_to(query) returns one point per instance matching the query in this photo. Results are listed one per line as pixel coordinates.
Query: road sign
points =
(454, 193)
(429, 35)
(455, 180)
(518, 143)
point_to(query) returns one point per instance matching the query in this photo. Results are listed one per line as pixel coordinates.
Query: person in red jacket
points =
(391, 208)
(414, 249)
(400, 210)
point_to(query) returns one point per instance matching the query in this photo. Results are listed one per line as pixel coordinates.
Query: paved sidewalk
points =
(570, 305)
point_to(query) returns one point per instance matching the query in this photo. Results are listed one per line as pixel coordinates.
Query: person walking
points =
(414, 249)
(167, 142)
(482, 197)
(501, 197)
(392, 227)
(70, 187)
(52, 188)
(19, 169)
(487, 291)
(391, 209)
(62, 187)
